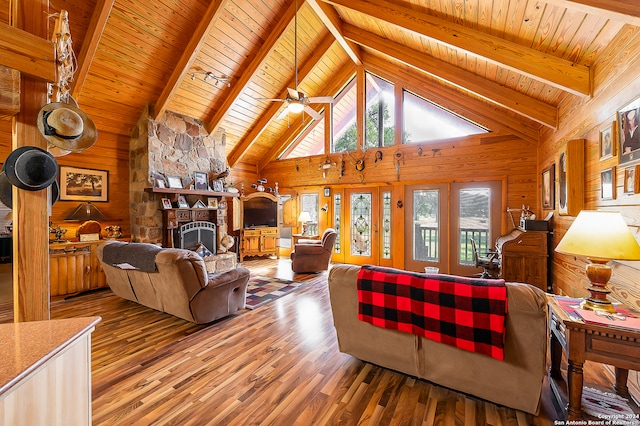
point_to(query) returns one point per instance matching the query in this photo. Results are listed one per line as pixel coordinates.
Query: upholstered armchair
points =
(313, 255)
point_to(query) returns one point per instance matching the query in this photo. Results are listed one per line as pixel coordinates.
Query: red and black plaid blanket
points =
(463, 312)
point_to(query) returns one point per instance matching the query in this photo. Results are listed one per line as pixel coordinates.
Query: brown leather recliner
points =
(313, 255)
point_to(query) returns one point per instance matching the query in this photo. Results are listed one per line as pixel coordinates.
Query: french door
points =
(442, 219)
(426, 227)
(361, 233)
(476, 211)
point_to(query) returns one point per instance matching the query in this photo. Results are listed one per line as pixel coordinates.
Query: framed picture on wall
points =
(629, 133)
(548, 187)
(83, 184)
(607, 184)
(607, 142)
(631, 180)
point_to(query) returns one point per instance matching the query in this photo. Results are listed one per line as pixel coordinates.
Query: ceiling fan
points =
(296, 101)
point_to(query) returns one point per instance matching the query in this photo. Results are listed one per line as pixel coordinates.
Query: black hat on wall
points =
(6, 197)
(31, 168)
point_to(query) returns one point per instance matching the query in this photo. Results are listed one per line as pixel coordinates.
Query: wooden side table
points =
(297, 237)
(583, 341)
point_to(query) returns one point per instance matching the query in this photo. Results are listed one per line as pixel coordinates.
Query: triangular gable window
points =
(425, 121)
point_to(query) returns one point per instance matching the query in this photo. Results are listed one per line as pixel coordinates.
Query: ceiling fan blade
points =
(320, 100)
(293, 93)
(283, 113)
(312, 112)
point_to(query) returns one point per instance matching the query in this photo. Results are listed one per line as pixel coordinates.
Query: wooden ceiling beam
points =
(626, 11)
(27, 53)
(339, 80)
(90, 44)
(242, 147)
(557, 72)
(332, 21)
(188, 56)
(249, 71)
(513, 100)
(477, 110)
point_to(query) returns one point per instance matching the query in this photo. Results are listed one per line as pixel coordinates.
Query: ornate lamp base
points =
(598, 273)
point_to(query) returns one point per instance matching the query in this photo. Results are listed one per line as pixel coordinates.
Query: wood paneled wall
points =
(110, 153)
(617, 83)
(474, 158)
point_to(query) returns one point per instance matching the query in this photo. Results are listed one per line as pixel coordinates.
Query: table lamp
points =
(601, 237)
(304, 218)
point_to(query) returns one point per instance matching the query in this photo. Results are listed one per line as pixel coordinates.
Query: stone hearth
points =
(174, 145)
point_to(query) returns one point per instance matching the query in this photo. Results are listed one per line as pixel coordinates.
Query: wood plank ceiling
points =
(503, 63)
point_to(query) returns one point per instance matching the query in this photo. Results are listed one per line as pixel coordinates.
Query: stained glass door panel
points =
(361, 226)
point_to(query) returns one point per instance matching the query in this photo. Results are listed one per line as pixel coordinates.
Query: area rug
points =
(604, 404)
(261, 290)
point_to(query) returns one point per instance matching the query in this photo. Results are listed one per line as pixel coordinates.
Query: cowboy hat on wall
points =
(66, 127)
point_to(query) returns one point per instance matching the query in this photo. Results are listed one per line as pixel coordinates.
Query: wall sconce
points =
(208, 75)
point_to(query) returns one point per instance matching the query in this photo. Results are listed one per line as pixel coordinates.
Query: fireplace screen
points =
(189, 235)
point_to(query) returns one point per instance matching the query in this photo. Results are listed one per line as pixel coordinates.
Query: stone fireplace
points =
(174, 145)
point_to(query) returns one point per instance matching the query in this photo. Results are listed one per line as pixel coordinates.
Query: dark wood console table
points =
(583, 341)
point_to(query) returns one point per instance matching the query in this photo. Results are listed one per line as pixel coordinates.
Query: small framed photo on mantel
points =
(182, 202)
(174, 182)
(200, 181)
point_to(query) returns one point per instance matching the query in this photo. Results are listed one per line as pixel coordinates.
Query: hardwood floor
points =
(278, 364)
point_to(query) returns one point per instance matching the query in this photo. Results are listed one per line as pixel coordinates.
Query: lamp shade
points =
(304, 217)
(86, 211)
(602, 235)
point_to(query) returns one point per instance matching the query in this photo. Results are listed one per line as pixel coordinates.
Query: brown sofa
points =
(176, 282)
(313, 255)
(515, 382)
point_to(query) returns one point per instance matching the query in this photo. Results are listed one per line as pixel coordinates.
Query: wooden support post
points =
(30, 208)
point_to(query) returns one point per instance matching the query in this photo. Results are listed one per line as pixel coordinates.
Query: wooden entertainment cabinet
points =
(260, 233)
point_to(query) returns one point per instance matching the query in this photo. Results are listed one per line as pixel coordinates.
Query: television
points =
(259, 213)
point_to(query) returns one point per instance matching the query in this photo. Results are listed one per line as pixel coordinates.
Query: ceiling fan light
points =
(296, 107)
